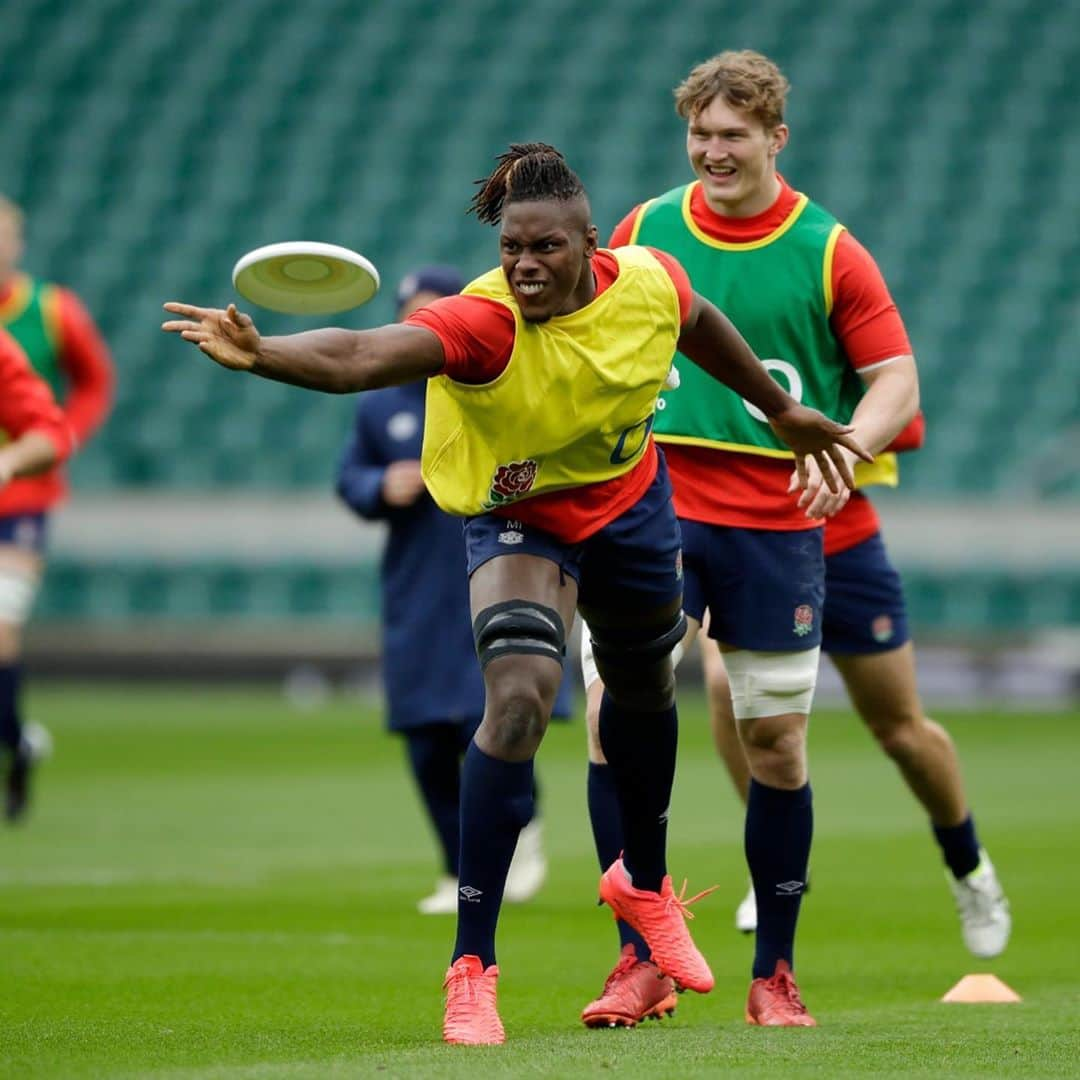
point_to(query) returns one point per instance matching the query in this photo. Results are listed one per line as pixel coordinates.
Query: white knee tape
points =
(17, 592)
(771, 683)
(588, 665)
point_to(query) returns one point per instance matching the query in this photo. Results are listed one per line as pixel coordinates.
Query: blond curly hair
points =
(745, 79)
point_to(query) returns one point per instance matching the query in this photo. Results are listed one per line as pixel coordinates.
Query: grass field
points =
(216, 885)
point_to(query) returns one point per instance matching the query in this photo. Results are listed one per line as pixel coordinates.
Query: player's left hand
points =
(811, 434)
(817, 499)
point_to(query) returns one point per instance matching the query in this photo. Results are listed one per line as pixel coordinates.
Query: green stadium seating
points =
(152, 144)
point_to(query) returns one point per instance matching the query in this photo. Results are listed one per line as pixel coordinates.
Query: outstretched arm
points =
(334, 360)
(712, 342)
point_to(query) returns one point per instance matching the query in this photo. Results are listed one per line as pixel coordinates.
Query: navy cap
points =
(443, 280)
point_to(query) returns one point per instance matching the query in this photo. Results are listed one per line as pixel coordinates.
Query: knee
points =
(776, 749)
(783, 742)
(899, 735)
(636, 667)
(651, 689)
(516, 717)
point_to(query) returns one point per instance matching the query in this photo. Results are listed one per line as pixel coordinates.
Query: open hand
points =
(229, 336)
(816, 498)
(810, 433)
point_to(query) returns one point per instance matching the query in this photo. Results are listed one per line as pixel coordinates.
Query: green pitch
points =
(214, 884)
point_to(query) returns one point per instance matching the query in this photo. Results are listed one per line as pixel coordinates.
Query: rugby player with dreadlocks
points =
(544, 375)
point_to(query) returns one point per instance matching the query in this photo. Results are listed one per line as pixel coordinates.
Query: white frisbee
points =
(305, 278)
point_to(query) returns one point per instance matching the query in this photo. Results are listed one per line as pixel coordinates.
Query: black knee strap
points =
(625, 651)
(519, 626)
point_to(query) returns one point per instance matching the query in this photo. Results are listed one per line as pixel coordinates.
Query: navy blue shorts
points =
(764, 590)
(864, 601)
(28, 531)
(634, 560)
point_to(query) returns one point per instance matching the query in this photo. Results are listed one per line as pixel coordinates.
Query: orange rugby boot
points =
(775, 1002)
(660, 918)
(471, 1018)
(636, 990)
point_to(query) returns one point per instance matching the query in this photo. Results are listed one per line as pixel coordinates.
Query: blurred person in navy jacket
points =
(434, 688)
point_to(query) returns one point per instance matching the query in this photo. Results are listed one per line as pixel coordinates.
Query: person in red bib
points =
(811, 301)
(34, 437)
(543, 378)
(65, 349)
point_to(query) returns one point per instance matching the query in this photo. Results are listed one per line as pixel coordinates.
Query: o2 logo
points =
(790, 375)
(632, 441)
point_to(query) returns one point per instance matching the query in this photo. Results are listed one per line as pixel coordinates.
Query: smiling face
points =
(545, 247)
(734, 156)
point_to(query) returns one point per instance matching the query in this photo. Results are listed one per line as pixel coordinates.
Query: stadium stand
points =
(146, 166)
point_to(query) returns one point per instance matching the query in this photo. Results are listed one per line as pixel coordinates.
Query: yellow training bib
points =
(574, 405)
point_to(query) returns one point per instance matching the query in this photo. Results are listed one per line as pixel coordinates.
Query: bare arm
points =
(887, 407)
(32, 452)
(712, 342)
(337, 361)
(889, 404)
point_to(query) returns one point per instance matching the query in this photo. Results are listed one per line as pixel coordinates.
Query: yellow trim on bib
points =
(639, 217)
(21, 292)
(715, 444)
(750, 245)
(827, 266)
(884, 471)
(50, 311)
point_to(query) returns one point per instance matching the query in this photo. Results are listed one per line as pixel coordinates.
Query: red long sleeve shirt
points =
(88, 373)
(26, 402)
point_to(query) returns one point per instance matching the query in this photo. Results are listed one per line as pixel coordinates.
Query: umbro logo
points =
(511, 536)
(789, 888)
(470, 894)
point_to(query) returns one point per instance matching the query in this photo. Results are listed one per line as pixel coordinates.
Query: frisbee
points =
(305, 278)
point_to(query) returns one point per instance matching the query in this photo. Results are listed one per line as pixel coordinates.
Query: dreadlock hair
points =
(526, 172)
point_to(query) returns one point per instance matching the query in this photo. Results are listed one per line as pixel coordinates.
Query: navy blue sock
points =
(779, 827)
(10, 724)
(960, 846)
(466, 732)
(435, 757)
(496, 801)
(607, 835)
(640, 749)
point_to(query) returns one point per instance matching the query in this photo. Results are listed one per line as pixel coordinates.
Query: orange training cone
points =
(979, 989)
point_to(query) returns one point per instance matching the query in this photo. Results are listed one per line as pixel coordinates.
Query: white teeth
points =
(532, 288)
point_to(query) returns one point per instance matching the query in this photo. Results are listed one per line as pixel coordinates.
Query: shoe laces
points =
(626, 964)
(463, 988)
(783, 983)
(683, 904)
(979, 897)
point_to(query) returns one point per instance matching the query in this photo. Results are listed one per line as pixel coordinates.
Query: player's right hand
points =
(810, 434)
(402, 483)
(816, 499)
(228, 337)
